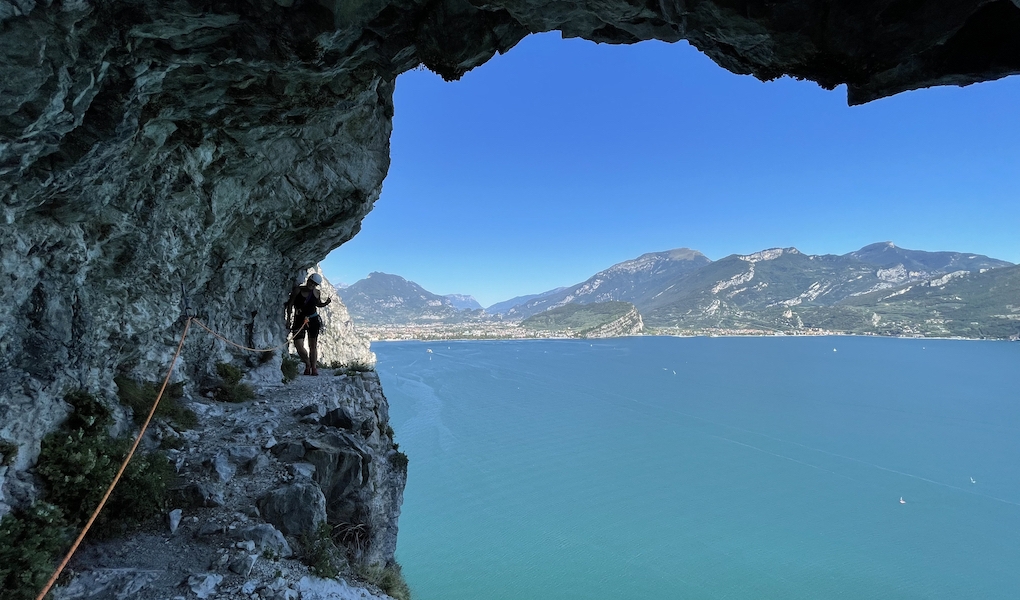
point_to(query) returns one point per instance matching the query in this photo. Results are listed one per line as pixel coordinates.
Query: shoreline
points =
(719, 335)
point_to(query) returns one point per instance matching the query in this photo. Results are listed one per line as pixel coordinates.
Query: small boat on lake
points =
(902, 501)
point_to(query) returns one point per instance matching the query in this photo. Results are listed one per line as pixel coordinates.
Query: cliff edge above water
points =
(257, 481)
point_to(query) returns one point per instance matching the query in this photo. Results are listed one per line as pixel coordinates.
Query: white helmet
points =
(315, 278)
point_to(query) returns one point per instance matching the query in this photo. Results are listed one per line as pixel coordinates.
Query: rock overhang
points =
(152, 148)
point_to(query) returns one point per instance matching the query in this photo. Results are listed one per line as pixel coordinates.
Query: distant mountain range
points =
(880, 289)
(384, 299)
(463, 302)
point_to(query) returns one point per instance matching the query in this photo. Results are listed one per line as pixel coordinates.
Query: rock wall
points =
(161, 149)
(629, 324)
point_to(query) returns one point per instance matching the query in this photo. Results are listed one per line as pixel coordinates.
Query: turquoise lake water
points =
(736, 468)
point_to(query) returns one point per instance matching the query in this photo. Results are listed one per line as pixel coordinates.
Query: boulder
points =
(294, 509)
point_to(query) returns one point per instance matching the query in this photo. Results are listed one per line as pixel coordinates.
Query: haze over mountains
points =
(880, 288)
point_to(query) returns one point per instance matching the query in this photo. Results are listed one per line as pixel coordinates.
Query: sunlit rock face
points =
(155, 150)
(339, 343)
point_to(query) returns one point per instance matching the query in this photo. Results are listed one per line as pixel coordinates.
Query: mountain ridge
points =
(776, 289)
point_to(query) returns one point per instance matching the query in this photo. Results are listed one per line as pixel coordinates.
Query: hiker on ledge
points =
(304, 302)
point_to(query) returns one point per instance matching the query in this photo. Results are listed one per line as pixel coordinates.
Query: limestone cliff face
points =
(155, 149)
(628, 324)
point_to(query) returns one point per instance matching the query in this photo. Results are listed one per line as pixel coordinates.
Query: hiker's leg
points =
(314, 325)
(313, 353)
(299, 344)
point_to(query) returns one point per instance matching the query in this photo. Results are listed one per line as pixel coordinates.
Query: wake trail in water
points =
(597, 393)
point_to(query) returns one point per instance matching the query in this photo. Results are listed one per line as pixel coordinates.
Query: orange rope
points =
(145, 425)
(289, 338)
(109, 490)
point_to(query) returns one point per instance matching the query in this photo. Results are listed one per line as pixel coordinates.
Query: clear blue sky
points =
(563, 157)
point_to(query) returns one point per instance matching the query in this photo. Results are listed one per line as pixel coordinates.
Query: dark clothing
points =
(304, 302)
(313, 328)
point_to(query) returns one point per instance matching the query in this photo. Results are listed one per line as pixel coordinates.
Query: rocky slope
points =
(463, 301)
(635, 281)
(383, 299)
(774, 289)
(257, 479)
(965, 304)
(594, 320)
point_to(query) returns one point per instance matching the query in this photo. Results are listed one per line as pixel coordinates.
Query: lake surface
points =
(736, 468)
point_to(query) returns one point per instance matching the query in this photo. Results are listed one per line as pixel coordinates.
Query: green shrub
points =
(350, 368)
(398, 459)
(78, 462)
(31, 542)
(232, 390)
(229, 373)
(171, 442)
(139, 396)
(321, 553)
(388, 579)
(8, 452)
(289, 368)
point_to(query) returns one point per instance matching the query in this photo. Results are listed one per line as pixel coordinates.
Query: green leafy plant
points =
(8, 452)
(321, 553)
(350, 368)
(232, 390)
(389, 579)
(31, 541)
(398, 459)
(139, 396)
(289, 368)
(78, 462)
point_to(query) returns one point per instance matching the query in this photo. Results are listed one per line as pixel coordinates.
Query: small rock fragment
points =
(302, 470)
(243, 564)
(204, 584)
(289, 451)
(223, 467)
(211, 528)
(260, 463)
(204, 494)
(268, 539)
(175, 519)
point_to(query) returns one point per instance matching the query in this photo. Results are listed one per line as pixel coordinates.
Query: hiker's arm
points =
(318, 299)
(289, 306)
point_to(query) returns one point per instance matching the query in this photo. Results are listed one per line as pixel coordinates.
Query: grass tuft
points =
(350, 368)
(290, 368)
(321, 553)
(389, 579)
(139, 396)
(232, 390)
